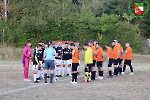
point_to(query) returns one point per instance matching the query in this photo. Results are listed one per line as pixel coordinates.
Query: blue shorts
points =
(49, 64)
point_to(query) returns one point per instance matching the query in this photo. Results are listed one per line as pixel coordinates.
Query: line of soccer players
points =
(94, 57)
(69, 56)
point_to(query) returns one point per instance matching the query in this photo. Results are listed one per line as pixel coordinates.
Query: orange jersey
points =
(110, 53)
(75, 55)
(99, 52)
(115, 51)
(121, 52)
(128, 55)
(94, 50)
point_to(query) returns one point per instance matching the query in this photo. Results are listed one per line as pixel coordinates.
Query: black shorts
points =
(74, 66)
(110, 62)
(89, 67)
(127, 62)
(100, 64)
(116, 61)
(94, 62)
(120, 61)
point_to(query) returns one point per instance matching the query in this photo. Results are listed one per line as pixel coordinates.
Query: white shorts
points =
(58, 62)
(66, 62)
(35, 67)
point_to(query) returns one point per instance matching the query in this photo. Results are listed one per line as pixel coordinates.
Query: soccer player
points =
(26, 59)
(110, 58)
(128, 58)
(88, 62)
(77, 45)
(99, 60)
(75, 62)
(121, 58)
(116, 53)
(49, 54)
(94, 60)
(66, 60)
(36, 63)
(58, 58)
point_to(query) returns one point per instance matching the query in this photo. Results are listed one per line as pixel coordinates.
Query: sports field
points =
(124, 87)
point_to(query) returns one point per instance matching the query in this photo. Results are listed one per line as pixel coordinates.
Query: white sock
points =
(69, 71)
(58, 70)
(63, 70)
(38, 74)
(34, 76)
(42, 73)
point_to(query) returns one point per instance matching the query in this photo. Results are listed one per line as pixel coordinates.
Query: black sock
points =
(99, 73)
(75, 77)
(110, 73)
(93, 75)
(131, 68)
(124, 68)
(45, 77)
(120, 69)
(102, 73)
(51, 77)
(114, 71)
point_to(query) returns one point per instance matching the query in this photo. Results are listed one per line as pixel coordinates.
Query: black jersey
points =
(38, 54)
(59, 52)
(66, 54)
(70, 53)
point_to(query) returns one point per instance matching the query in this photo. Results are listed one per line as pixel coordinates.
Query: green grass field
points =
(124, 87)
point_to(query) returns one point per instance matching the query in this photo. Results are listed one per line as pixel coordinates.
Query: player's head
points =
(116, 41)
(127, 44)
(77, 44)
(107, 45)
(97, 45)
(119, 43)
(85, 45)
(39, 47)
(46, 45)
(90, 43)
(66, 45)
(50, 44)
(40, 42)
(28, 42)
(59, 43)
(95, 42)
(113, 43)
(72, 45)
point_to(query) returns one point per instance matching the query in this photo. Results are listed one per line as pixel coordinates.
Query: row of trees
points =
(77, 20)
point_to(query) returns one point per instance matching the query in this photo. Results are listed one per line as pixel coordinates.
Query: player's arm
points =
(118, 54)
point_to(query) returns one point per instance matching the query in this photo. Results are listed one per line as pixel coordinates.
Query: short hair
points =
(107, 44)
(72, 44)
(85, 44)
(119, 42)
(90, 41)
(66, 43)
(28, 41)
(39, 45)
(98, 43)
(40, 41)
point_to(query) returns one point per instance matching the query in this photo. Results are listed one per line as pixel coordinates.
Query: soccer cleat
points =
(67, 75)
(122, 73)
(62, 75)
(131, 73)
(45, 82)
(36, 82)
(70, 75)
(27, 80)
(100, 77)
(74, 82)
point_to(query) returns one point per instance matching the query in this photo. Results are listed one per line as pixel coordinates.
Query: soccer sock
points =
(63, 70)
(131, 68)
(110, 73)
(58, 70)
(34, 76)
(51, 77)
(86, 76)
(75, 77)
(101, 73)
(69, 70)
(38, 74)
(124, 68)
(42, 72)
(120, 69)
(93, 75)
(114, 71)
(45, 77)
